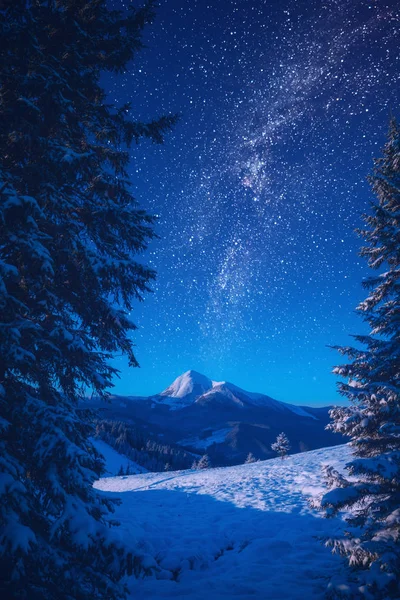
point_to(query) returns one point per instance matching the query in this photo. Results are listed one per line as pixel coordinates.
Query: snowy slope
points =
(237, 532)
(216, 437)
(114, 460)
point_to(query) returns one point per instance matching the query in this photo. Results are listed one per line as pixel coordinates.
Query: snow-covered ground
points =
(216, 437)
(243, 532)
(114, 461)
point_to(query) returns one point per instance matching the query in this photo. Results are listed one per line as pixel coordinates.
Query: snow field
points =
(114, 460)
(243, 532)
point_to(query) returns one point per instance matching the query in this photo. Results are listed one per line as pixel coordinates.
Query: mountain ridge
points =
(194, 387)
(200, 415)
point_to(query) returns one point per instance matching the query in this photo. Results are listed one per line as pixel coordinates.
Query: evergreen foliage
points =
(204, 462)
(372, 546)
(140, 447)
(69, 230)
(250, 458)
(281, 446)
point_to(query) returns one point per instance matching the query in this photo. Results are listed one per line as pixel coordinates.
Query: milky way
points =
(261, 185)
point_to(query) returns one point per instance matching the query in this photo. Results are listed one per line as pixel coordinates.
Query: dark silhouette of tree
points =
(372, 421)
(69, 232)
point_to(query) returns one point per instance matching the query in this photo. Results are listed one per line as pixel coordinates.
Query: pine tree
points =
(204, 462)
(69, 230)
(281, 446)
(372, 421)
(250, 458)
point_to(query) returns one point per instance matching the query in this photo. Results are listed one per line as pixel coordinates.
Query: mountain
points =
(238, 532)
(201, 415)
(195, 388)
(185, 390)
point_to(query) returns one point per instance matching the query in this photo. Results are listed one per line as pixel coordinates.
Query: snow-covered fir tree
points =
(204, 462)
(69, 230)
(372, 422)
(281, 446)
(250, 458)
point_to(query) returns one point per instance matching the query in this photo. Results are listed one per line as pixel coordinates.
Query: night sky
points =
(259, 187)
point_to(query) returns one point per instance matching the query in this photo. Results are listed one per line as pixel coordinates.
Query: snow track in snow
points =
(236, 532)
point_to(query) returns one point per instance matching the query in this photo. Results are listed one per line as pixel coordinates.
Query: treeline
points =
(136, 444)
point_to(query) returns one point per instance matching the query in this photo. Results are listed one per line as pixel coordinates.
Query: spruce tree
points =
(204, 462)
(281, 446)
(250, 458)
(69, 231)
(372, 384)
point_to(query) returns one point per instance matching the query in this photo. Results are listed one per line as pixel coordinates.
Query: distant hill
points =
(219, 418)
(114, 462)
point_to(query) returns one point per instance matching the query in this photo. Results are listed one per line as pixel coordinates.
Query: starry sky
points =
(259, 187)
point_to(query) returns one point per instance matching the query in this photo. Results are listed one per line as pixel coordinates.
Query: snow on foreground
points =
(242, 532)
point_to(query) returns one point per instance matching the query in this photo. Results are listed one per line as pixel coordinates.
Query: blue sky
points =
(259, 187)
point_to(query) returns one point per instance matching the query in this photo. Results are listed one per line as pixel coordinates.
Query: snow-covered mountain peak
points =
(189, 383)
(184, 390)
(194, 388)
